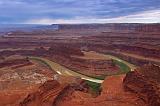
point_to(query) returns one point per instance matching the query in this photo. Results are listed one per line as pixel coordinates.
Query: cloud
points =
(151, 16)
(46, 11)
(142, 17)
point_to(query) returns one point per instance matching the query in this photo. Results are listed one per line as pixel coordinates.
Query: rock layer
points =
(145, 82)
(44, 96)
(52, 91)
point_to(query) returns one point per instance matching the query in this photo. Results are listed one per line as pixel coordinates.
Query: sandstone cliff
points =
(145, 82)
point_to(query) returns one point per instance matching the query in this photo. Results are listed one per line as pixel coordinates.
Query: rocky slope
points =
(138, 88)
(44, 96)
(20, 77)
(52, 91)
(145, 82)
(15, 63)
(112, 94)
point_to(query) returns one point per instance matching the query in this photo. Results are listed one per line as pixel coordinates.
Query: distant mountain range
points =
(135, 27)
(4, 28)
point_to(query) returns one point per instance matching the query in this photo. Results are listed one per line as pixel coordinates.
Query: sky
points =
(79, 11)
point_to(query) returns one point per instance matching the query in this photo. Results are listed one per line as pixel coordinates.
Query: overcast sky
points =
(79, 11)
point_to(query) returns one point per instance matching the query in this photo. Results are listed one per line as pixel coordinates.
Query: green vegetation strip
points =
(95, 87)
(60, 67)
(37, 59)
(43, 62)
(123, 67)
(123, 70)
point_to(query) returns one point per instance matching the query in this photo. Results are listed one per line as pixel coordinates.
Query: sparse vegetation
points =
(123, 67)
(94, 87)
(43, 62)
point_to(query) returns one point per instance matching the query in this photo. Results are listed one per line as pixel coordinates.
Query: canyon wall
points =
(114, 27)
(145, 82)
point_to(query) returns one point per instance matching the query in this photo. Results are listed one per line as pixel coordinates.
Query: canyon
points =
(124, 57)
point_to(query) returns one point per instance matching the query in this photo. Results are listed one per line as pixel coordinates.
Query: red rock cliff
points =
(145, 82)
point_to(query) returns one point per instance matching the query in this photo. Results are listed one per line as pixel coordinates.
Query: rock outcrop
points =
(44, 96)
(52, 91)
(145, 82)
